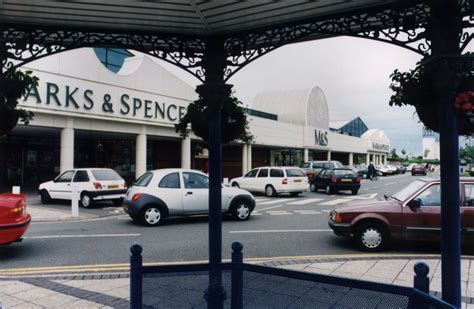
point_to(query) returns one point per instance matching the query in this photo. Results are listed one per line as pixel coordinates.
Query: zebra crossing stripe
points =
(308, 212)
(276, 201)
(305, 201)
(259, 199)
(334, 202)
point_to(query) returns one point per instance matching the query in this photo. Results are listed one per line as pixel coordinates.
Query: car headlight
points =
(336, 217)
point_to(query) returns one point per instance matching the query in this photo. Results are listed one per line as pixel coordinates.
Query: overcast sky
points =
(353, 73)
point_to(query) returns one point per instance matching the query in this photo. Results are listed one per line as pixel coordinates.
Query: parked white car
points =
(164, 193)
(273, 180)
(94, 184)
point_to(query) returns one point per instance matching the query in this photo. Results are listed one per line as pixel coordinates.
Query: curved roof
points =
(306, 107)
(194, 17)
(376, 135)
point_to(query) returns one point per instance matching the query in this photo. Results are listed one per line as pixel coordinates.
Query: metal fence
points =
(255, 286)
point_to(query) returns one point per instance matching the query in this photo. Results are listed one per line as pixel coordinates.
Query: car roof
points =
(174, 170)
(282, 167)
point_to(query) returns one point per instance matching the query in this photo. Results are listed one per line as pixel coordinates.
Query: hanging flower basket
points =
(233, 121)
(14, 85)
(416, 88)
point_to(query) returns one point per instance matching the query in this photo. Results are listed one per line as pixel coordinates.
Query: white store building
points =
(88, 116)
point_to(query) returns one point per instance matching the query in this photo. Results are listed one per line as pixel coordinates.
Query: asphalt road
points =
(280, 227)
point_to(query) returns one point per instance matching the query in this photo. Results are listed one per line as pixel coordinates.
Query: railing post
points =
(421, 283)
(136, 276)
(237, 276)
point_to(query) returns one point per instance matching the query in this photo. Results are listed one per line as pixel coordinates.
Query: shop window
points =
(170, 181)
(112, 58)
(81, 176)
(468, 195)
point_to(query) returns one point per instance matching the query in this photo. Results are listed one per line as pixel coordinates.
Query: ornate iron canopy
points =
(177, 31)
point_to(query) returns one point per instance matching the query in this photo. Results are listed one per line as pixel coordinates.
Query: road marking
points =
(306, 201)
(390, 183)
(326, 210)
(281, 231)
(279, 213)
(334, 202)
(261, 199)
(256, 214)
(276, 201)
(81, 236)
(365, 196)
(273, 207)
(308, 212)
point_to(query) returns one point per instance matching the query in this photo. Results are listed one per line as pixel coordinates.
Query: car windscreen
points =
(106, 175)
(295, 172)
(409, 190)
(343, 173)
(143, 180)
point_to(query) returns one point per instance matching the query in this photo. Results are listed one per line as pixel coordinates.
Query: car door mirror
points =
(414, 203)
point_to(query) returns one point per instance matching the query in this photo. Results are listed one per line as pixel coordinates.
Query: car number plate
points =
(297, 180)
(113, 187)
(346, 180)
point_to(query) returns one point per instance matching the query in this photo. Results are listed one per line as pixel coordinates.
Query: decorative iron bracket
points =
(19, 46)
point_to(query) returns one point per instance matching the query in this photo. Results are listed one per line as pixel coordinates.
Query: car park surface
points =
(273, 180)
(93, 184)
(14, 220)
(410, 214)
(164, 193)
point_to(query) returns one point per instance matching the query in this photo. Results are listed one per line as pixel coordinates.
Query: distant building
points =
(430, 145)
(355, 127)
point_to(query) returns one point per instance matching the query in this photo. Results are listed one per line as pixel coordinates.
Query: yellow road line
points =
(126, 266)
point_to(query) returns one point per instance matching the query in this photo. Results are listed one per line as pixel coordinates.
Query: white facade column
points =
(367, 159)
(249, 157)
(351, 159)
(329, 155)
(385, 159)
(186, 153)
(306, 155)
(376, 159)
(66, 161)
(244, 159)
(140, 154)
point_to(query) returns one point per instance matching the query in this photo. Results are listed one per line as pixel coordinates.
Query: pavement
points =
(104, 287)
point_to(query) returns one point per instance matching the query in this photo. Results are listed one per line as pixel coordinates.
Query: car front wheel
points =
(45, 197)
(241, 211)
(313, 187)
(371, 237)
(329, 190)
(152, 216)
(86, 200)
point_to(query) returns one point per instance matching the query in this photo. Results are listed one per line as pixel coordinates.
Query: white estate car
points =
(180, 192)
(92, 183)
(273, 180)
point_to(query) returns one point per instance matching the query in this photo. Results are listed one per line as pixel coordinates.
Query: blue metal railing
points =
(417, 297)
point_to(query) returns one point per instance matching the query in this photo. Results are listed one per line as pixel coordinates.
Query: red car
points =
(413, 213)
(14, 220)
(418, 170)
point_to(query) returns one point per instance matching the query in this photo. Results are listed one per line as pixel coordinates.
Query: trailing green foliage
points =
(234, 121)
(14, 85)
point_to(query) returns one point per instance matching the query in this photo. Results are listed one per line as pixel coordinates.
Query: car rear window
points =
(143, 180)
(276, 173)
(295, 172)
(343, 172)
(105, 175)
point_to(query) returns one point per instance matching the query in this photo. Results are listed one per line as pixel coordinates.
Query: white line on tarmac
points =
(305, 201)
(81, 236)
(276, 201)
(334, 202)
(390, 183)
(308, 212)
(270, 207)
(280, 214)
(258, 200)
(281, 231)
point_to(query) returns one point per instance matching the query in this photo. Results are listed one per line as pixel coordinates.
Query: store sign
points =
(380, 146)
(320, 138)
(99, 102)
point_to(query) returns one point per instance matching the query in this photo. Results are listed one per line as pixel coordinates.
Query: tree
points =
(426, 152)
(466, 152)
(393, 153)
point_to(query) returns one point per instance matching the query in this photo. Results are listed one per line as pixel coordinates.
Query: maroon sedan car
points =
(412, 213)
(418, 170)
